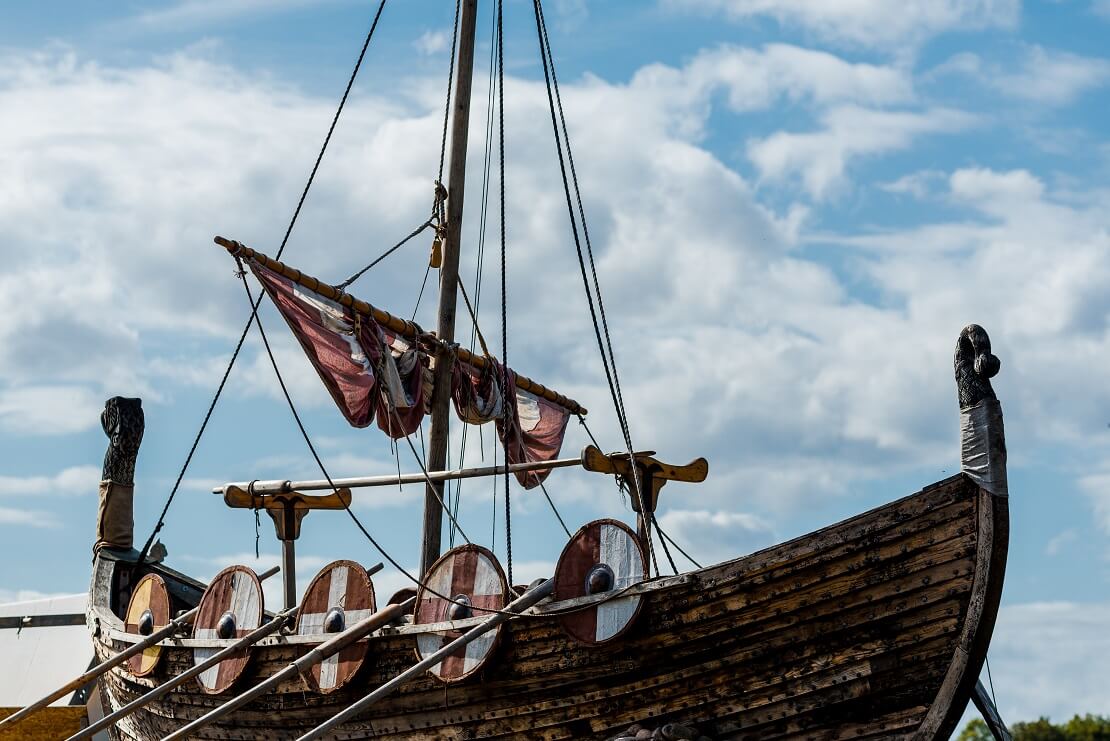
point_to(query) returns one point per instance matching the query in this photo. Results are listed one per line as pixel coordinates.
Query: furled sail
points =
(373, 373)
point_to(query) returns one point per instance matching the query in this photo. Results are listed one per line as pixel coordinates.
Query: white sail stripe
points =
(329, 668)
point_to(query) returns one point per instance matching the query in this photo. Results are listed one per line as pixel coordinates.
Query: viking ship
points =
(874, 627)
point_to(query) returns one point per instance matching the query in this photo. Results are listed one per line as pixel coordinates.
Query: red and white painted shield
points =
(604, 556)
(473, 580)
(148, 610)
(337, 598)
(230, 608)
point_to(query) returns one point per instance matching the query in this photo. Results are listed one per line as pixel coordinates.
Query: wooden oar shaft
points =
(315, 656)
(526, 600)
(281, 486)
(393, 323)
(164, 632)
(253, 637)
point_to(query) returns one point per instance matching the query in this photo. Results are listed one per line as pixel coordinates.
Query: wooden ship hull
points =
(875, 627)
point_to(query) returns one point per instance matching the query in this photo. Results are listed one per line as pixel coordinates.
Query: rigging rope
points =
(550, 79)
(343, 286)
(254, 306)
(479, 263)
(504, 282)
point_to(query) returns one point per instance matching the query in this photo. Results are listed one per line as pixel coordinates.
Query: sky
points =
(795, 208)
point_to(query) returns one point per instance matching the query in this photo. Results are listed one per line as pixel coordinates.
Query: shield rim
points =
(498, 631)
(246, 652)
(309, 676)
(639, 598)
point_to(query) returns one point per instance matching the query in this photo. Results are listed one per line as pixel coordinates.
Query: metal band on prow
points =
(982, 436)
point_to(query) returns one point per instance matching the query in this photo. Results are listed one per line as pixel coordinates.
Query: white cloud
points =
(29, 595)
(1041, 659)
(792, 387)
(1059, 542)
(870, 23)
(1054, 77)
(27, 518)
(918, 184)
(186, 14)
(1097, 488)
(678, 99)
(73, 480)
(820, 158)
(433, 42)
(1101, 7)
(712, 537)
(1049, 77)
(48, 410)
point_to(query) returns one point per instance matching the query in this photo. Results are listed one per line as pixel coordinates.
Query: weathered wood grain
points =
(871, 628)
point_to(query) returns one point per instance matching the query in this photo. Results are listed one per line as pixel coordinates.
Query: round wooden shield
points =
(337, 598)
(148, 610)
(472, 578)
(230, 608)
(604, 556)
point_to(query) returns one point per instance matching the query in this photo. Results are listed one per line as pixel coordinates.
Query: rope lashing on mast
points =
(605, 348)
(254, 308)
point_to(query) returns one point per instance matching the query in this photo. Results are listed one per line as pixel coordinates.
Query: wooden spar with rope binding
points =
(364, 627)
(251, 638)
(521, 603)
(283, 486)
(402, 327)
(166, 631)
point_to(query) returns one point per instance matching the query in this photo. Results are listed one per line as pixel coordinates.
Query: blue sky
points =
(796, 206)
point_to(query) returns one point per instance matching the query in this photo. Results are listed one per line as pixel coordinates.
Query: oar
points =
(526, 600)
(250, 638)
(310, 659)
(164, 632)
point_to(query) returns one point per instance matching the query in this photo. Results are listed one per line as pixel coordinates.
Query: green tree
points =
(1080, 728)
(976, 730)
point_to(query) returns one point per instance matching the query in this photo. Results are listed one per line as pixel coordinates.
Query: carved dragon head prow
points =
(123, 423)
(983, 439)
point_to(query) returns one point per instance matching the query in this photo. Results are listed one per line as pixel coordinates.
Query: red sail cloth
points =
(533, 430)
(346, 349)
(340, 344)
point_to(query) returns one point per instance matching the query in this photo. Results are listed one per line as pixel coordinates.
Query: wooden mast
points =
(448, 285)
